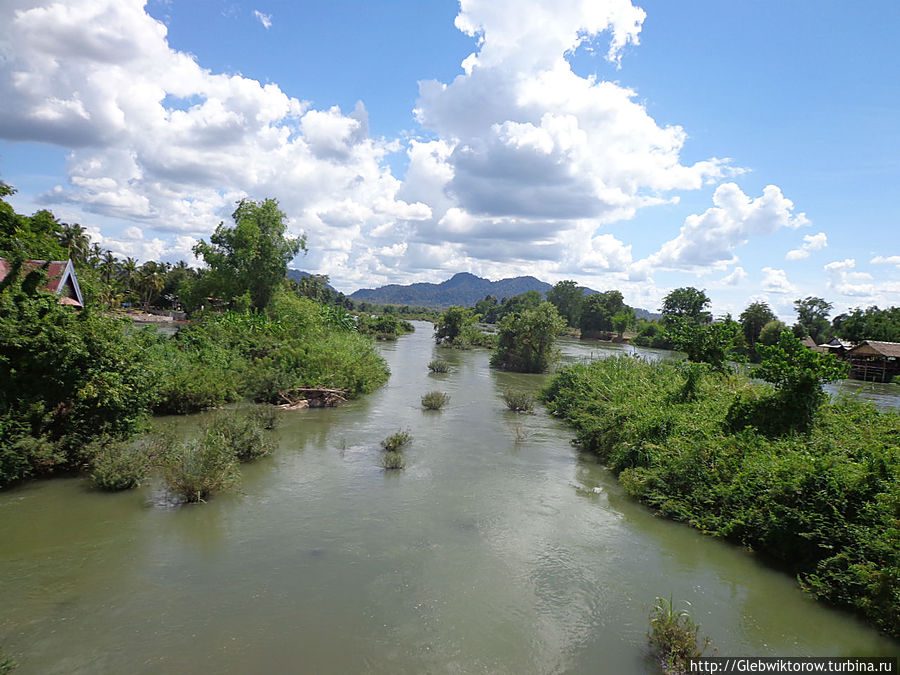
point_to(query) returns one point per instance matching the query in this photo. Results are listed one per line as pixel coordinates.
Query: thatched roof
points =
(876, 348)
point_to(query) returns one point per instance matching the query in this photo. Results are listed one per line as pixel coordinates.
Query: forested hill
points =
(461, 289)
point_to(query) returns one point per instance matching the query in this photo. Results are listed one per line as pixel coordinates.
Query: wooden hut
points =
(837, 346)
(61, 279)
(874, 361)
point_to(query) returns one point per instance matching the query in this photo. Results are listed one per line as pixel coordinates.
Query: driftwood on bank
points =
(311, 397)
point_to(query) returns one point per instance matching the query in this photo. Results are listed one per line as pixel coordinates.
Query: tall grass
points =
(435, 400)
(197, 468)
(439, 366)
(518, 401)
(674, 637)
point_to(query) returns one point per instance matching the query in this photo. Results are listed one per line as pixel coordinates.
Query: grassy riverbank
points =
(824, 504)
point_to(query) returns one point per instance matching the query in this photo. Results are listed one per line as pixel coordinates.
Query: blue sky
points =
(748, 148)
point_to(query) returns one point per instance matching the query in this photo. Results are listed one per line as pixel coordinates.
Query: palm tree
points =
(128, 275)
(151, 280)
(75, 240)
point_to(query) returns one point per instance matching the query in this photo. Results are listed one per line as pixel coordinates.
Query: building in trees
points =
(61, 279)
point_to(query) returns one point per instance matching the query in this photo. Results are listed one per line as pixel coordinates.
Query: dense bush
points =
(519, 401)
(196, 468)
(242, 433)
(439, 366)
(824, 503)
(119, 466)
(396, 441)
(66, 379)
(527, 339)
(435, 400)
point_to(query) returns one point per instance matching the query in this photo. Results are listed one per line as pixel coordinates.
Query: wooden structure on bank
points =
(874, 361)
(61, 279)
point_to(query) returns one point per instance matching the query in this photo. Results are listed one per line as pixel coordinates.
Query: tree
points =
(452, 324)
(519, 303)
(598, 311)
(252, 256)
(712, 343)
(487, 307)
(757, 315)
(526, 339)
(688, 303)
(771, 332)
(567, 297)
(812, 318)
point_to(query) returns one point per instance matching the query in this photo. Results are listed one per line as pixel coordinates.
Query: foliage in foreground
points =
(824, 503)
(7, 663)
(674, 637)
(435, 400)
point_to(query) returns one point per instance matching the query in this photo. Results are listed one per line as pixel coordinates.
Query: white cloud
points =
(886, 260)
(811, 242)
(843, 280)
(264, 19)
(776, 281)
(737, 277)
(708, 240)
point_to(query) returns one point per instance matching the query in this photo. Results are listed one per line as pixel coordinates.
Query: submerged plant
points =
(7, 663)
(397, 441)
(674, 637)
(393, 460)
(439, 366)
(199, 467)
(243, 434)
(265, 416)
(519, 401)
(435, 400)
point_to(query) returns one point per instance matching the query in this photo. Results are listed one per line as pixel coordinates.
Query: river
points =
(499, 549)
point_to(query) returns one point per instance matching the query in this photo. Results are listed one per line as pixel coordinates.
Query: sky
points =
(750, 148)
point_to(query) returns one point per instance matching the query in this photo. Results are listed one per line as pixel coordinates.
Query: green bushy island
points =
(823, 503)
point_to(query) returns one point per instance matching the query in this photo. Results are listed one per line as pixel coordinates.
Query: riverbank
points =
(823, 505)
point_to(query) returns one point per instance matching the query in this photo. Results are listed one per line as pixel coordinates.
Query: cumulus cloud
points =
(886, 260)
(159, 140)
(264, 19)
(811, 242)
(708, 240)
(843, 280)
(776, 281)
(737, 277)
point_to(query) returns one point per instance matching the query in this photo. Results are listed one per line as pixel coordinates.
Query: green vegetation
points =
(519, 401)
(383, 327)
(196, 468)
(686, 303)
(457, 327)
(438, 366)
(397, 441)
(75, 385)
(116, 466)
(435, 400)
(526, 340)
(7, 663)
(823, 503)
(250, 259)
(812, 318)
(871, 324)
(393, 460)
(712, 343)
(674, 637)
(244, 434)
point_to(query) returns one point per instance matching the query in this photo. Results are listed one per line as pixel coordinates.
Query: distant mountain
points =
(297, 275)
(461, 289)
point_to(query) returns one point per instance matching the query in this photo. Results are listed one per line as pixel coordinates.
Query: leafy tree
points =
(757, 315)
(526, 339)
(598, 311)
(798, 374)
(713, 343)
(252, 256)
(488, 307)
(452, 324)
(688, 303)
(519, 303)
(871, 324)
(35, 237)
(623, 319)
(771, 332)
(812, 318)
(567, 297)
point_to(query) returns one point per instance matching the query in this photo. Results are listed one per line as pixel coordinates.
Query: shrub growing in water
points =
(397, 441)
(674, 637)
(7, 663)
(393, 460)
(519, 401)
(439, 366)
(195, 469)
(435, 400)
(242, 434)
(118, 466)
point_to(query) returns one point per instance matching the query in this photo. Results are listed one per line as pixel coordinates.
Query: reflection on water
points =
(487, 554)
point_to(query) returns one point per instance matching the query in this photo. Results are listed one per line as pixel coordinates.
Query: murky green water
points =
(485, 555)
